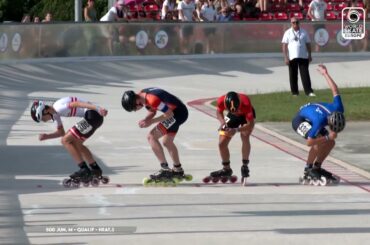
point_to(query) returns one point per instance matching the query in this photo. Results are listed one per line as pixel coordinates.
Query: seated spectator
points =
(251, 11)
(115, 13)
(225, 15)
(168, 9)
(208, 11)
(36, 19)
(26, 19)
(239, 10)
(90, 11)
(48, 17)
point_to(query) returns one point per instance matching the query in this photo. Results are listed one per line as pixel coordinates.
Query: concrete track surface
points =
(273, 209)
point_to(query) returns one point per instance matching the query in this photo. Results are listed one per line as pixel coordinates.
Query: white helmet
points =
(37, 110)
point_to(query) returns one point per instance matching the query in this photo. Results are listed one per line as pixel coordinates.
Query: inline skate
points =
(98, 178)
(318, 176)
(164, 177)
(83, 176)
(224, 175)
(178, 175)
(245, 174)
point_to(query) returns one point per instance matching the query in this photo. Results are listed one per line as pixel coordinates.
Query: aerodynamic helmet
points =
(337, 121)
(37, 109)
(232, 101)
(129, 100)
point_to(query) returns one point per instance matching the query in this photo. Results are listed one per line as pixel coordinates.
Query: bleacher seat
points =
(329, 7)
(152, 11)
(266, 16)
(280, 16)
(340, 6)
(331, 15)
(277, 8)
(297, 15)
(293, 7)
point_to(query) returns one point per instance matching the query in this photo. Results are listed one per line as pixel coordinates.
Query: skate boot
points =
(178, 175)
(97, 177)
(245, 174)
(161, 178)
(329, 177)
(224, 174)
(305, 178)
(83, 176)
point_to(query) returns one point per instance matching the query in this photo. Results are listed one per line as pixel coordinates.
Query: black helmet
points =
(337, 122)
(232, 101)
(37, 109)
(129, 100)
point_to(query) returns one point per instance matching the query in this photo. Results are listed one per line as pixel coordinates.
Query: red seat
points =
(277, 8)
(329, 7)
(281, 16)
(152, 11)
(266, 16)
(339, 7)
(331, 16)
(297, 15)
(293, 7)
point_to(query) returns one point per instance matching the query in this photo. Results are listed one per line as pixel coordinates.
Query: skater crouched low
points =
(239, 119)
(310, 123)
(174, 114)
(73, 140)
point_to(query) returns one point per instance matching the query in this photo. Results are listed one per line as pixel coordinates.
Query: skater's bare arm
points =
(102, 111)
(164, 116)
(332, 85)
(220, 117)
(322, 139)
(58, 133)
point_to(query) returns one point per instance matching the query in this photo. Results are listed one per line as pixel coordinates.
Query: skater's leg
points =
(312, 154)
(223, 147)
(70, 143)
(324, 150)
(153, 139)
(246, 145)
(172, 149)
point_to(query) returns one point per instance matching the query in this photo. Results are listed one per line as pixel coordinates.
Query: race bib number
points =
(168, 122)
(84, 127)
(303, 129)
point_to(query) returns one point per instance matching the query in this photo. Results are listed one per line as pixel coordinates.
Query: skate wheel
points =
(86, 184)
(315, 182)
(233, 179)
(67, 183)
(303, 181)
(323, 181)
(105, 180)
(76, 184)
(95, 182)
(224, 179)
(206, 180)
(188, 177)
(215, 180)
(146, 182)
(177, 180)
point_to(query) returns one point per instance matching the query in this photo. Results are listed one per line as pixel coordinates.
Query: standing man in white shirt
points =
(296, 45)
(187, 11)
